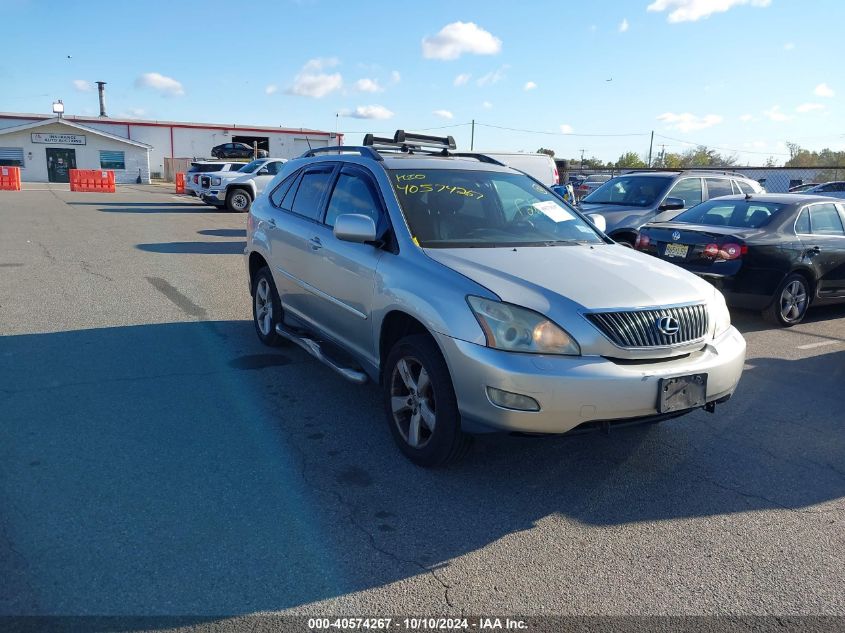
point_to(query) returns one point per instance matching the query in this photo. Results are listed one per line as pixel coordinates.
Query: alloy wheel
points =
(793, 301)
(412, 402)
(264, 307)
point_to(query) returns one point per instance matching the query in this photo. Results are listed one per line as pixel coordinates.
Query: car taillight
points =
(642, 241)
(583, 188)
(725, 251)
(557, 176)
(196, 179)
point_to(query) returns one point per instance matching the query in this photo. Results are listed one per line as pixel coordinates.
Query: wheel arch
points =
(395, 326)
(256, 263)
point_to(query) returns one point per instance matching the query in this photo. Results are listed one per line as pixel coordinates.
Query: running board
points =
(313, 347)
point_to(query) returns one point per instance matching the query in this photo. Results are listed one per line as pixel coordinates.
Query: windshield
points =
(447, 208)
(251, 167)
(635, 191)
(746, 214)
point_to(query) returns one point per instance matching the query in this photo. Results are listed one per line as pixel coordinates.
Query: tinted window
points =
(746, 214)
(251, 167)
(825, 220)
(744, 187)
(688, 190)
(353, 193)
(639, 191)
(802, 225)
(279, 192)
(718, 187)
(309, 194)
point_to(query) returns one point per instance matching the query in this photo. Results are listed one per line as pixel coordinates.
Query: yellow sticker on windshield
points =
(416, 241)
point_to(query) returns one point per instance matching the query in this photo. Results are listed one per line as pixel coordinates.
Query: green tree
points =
(630, 160)
(543, 150)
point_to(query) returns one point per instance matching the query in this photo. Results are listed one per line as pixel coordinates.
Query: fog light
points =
(515, 401)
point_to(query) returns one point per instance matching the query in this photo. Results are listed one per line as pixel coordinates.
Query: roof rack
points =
(410, 143)
(482, 158)
(369, 152)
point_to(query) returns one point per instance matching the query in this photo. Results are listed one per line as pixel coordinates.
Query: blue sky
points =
(746, 79)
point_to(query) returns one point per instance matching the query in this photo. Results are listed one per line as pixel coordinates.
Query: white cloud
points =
(789, 46)
(487, 105)
(369, 112)
(593, 28)
(444, 114)
(823, 90)
(458, 38)
(745, 118)
(623, 25)
(688, 122)
(83, 86)
(312, 82)
(161, 83)
(271, 89)
(461, 79)
(692, 10)
(566, 128)
(809, 107)
(368, 85)
(493, 77)
(395, 77)
(775, 114)
(529, 85)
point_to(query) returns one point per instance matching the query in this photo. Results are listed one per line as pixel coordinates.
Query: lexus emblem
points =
(676, 235)
(668, 325)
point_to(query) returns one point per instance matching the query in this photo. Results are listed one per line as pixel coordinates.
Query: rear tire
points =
(238, 200)
(420, 403)
(790, 303)
(266, 308)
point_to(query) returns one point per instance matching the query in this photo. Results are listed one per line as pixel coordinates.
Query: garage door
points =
(11, 156)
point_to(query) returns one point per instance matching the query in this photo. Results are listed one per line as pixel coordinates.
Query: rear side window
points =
(688, 190)
(279, 192)
(745, 187)
(353, 193)
(309, 194)
(825, 220)
(718, 187)
(802, 224)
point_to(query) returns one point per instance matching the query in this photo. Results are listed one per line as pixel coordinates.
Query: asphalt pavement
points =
(156, 459)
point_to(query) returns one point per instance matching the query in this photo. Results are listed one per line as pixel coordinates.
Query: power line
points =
(724, 149)
(421, 129)
(513, 129)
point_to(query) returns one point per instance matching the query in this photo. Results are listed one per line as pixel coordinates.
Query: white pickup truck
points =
(236, 190)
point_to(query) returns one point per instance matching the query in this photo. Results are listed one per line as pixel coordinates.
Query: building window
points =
(11, 156)
(112, 160)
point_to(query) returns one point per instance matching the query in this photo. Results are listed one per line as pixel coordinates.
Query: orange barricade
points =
(10, 178)
(94, 180)
(180, 182)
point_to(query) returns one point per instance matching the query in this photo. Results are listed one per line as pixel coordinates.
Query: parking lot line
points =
(818, 344)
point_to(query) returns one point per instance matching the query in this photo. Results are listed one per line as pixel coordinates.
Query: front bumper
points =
(577, 389)
(213, 196)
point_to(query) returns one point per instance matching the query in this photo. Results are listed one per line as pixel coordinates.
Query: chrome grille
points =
(638, 328)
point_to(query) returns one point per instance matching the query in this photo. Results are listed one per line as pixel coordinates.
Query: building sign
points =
(59, 139)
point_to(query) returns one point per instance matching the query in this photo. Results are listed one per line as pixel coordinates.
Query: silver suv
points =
(476, 298)
(627, 202)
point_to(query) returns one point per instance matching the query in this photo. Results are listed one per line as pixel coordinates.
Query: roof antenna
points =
(748, 196)
(306, 139)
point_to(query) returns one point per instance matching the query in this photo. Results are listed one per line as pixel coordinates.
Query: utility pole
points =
(582, 159)
(650, 146)
(472, 137)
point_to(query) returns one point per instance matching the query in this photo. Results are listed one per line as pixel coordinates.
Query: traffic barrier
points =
(180, 182)
(92, 180)
(10, 178)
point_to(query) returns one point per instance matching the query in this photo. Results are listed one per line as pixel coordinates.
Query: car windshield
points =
(635, 191)
(450, 208)
(746, 214)
(251, 167)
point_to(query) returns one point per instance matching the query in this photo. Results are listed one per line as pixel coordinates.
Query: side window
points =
(825, 220)
(802, 224)
(309, 194)
(744, 187)
(688, 189)
(353, 193)
(718, 187)
(279, 192)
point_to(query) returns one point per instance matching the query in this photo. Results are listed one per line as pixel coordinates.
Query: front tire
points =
(266, 308)
(419, 399)
(238, 201)
(790, 303)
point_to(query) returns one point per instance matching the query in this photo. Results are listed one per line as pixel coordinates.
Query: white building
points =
(164, 139)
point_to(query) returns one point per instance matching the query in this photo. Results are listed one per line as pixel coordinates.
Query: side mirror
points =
(672, 204)
(598, 221)
(263, 172)
(353, 227)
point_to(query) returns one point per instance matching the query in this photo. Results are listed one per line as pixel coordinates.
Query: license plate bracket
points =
(676, 250)
(681, 392)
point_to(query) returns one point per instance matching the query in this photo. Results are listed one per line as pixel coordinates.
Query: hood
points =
(619, 216)
(579, 277)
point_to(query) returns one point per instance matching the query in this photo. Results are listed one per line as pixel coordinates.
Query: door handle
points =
(316, 244)
(272, 222)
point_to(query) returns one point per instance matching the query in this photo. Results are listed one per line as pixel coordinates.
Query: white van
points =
(541, 167)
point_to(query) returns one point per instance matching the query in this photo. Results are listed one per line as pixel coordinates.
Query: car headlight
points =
(215, 182)
(720, 314)
(514, 329)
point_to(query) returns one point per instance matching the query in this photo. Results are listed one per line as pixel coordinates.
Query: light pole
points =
(58, 108)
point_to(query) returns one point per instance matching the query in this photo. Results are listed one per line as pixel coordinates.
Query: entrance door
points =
(59, 162)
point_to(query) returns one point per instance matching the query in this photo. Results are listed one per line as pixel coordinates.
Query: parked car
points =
(199, 167)
(803, 188)
(478, 299)
(629, 201)
(835, 189)
(236, 190)
(590, 184)
(779, 253)
(236, 150)
(541, 167)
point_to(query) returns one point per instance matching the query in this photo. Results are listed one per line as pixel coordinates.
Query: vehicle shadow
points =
(137, 204)
(223, 232)
(195, 248)
(183, 468)
(747, 321)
